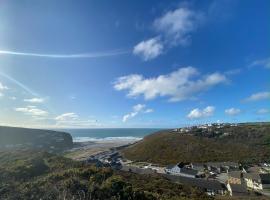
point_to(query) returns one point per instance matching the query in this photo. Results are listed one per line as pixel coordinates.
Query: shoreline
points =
(81, 151)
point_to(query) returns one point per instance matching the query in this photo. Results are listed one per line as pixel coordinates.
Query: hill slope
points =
(245, 143)
(40, 175)
(13, 137)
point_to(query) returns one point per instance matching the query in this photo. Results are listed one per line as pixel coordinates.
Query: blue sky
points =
(96, 64)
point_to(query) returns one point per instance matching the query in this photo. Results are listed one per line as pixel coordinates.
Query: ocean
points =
(109, 134)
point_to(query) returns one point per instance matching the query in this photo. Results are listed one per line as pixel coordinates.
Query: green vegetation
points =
(243, 143)
(40, 175)
(54, 141)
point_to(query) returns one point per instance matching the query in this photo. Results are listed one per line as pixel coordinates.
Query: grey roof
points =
(238, 188)
(189, 171)
(170, 166)
(219, 164)
(252, 176)
(197, 182)
(235, 174)
(137, 170)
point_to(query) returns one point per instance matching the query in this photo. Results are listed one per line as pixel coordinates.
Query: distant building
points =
(211, 187)
(235, 177)
(237, 189)
(253, 181)
(181, 170)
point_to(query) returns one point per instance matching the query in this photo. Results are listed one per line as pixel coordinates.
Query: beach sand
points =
(83, 150)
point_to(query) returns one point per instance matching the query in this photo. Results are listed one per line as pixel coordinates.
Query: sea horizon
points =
(109, 134)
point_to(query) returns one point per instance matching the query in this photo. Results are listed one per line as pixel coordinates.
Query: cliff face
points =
(11, 137)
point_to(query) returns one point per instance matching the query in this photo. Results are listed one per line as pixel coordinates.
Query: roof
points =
(189, 171)
(219, 164)
(265, 178)
(252, 176)
(235, 174)
(197, 182)
(137, 170)
(170, 166)
(238, 188)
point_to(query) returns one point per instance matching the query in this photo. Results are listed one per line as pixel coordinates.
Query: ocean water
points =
(109, 134)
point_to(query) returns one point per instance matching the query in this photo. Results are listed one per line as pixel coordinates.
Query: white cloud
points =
(67, 116)
(232, 111)
(139, 108)
(263, 62)
(177, 25)
(34, 100)
(263, 111)
(73, 120)
(32, 110)
(81, 55)
(149, 110)
(13, 98)
(178, 85)
(173, 28)
(3, 87)
(201, 113)
(258, 96)
(149, 49)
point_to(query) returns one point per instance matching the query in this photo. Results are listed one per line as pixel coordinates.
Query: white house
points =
(186, 172)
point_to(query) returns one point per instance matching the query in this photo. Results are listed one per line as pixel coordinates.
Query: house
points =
(237, 189)
(182, 169)
(235, 177)
(211, 187)
(137, 170)
(253, 181)
(222, 177)
(172, 169)
(188, 172)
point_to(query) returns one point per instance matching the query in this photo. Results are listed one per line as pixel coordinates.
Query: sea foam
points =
(106, 139)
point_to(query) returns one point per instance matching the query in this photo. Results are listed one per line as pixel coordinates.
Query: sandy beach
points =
(83, 150)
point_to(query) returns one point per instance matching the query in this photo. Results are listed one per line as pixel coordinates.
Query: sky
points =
(160, 64)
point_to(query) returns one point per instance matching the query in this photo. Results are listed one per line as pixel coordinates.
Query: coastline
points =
(81, 151)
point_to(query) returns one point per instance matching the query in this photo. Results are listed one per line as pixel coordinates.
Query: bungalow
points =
(211, 187)
(181, 170)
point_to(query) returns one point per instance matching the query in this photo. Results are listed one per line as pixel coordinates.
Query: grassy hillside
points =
(245, 143)
(12, 137)
(40, 175)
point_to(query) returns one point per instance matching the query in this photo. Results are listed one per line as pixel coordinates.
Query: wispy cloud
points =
(258, 96)
(178, 85)
(177, 25)
(149, 49)
(232, 111)
(32, 110)
(137, 109)
(263, 111)
(173, 28)
(80, 55)
(19, 84)
(34, 100)
(71, 119)
(2, 88)
(201, 113)
(262, 62)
